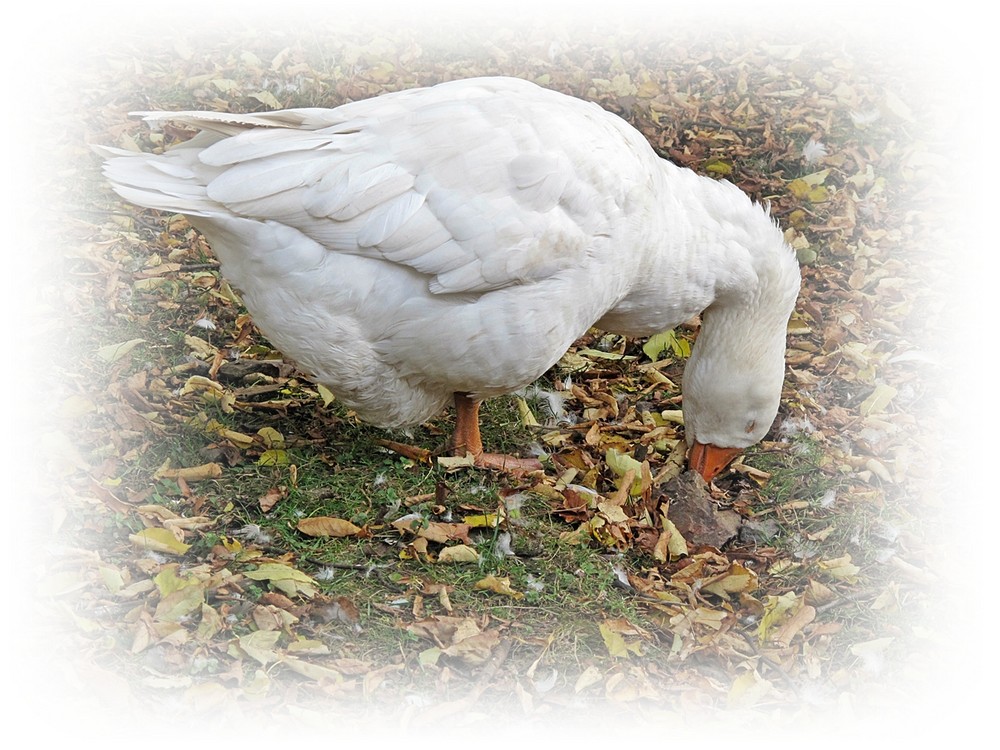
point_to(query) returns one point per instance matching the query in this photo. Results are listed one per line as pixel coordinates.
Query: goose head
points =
(732, 381)
(727, 408)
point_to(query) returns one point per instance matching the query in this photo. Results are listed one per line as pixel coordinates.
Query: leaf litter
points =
(740, 594)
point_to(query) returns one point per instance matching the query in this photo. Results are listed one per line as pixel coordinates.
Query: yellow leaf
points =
(736, 580)
(525, 414)
(816, 178)
(260, 644)
(453, 463)
(590, 676)
(200, 347)
(666, 342)
(159, 540)
(267, 99)
(273, 458)
(497, 586)
(327, 526)
(620, 464)
(313, 671)
(841, 568)
(818, 194)
(718, 166)
(776, 610)
(271, 437)
(112, 578)
(476, 649)
(114, 352)
(748, 690)
(799, 188)
(489, 520)
(675, 416)
(210, 392)
(326, 394)
(898, 107)
(258, 686)
(223, 84)
(821, 535)
(614, 639)
(598, 354)
(648, 88)
(802, 616)
(612, 512)
(614, 642)
(179, 604)
(671, 545)
(429, 656)
(308, 646)
(167, 581)
(286, 579)
(210, 624)
(878, 400)
(381, 72)
(459, 553)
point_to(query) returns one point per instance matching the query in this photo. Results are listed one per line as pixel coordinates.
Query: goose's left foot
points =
(468, 440)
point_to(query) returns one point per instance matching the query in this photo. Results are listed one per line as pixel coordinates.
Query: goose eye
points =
(751, 425)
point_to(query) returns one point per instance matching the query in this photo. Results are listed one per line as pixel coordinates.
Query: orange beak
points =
(709, 460)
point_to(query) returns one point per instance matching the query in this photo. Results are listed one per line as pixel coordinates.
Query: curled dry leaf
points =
(459, 553)
(159, 540)
(191, 473)
(497, 586)
(433, 531)
(271, 498)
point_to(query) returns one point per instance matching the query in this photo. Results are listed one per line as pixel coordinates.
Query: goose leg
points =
(468, 440)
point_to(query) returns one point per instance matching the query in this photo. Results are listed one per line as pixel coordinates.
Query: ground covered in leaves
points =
(221, 536)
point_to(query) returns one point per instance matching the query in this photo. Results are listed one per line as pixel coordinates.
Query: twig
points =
(789, 682)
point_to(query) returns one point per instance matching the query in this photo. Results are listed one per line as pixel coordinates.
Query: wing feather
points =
(474, 189)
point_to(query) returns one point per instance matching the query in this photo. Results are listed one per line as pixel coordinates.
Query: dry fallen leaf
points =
(191, 473)
(286, 579)
(433, 531)
(271, 498)
(159, 540)
(476, 649)
(114, 352)
(327, 526)
(459, 553)
(841, 568)
(497, 586)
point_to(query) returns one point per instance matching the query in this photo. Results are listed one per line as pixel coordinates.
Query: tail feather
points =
(163, 183)
(227, 123)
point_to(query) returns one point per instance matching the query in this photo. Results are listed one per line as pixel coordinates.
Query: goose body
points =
(457, 239)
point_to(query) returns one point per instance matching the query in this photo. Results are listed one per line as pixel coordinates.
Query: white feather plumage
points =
(459, 238)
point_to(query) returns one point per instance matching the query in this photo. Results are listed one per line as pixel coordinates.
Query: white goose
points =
(451, 242)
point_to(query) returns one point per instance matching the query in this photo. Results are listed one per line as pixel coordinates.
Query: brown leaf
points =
(434, 531)
(802, 617)
(327, 526)
(475, 649)
(271, 498)
(191, 473)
